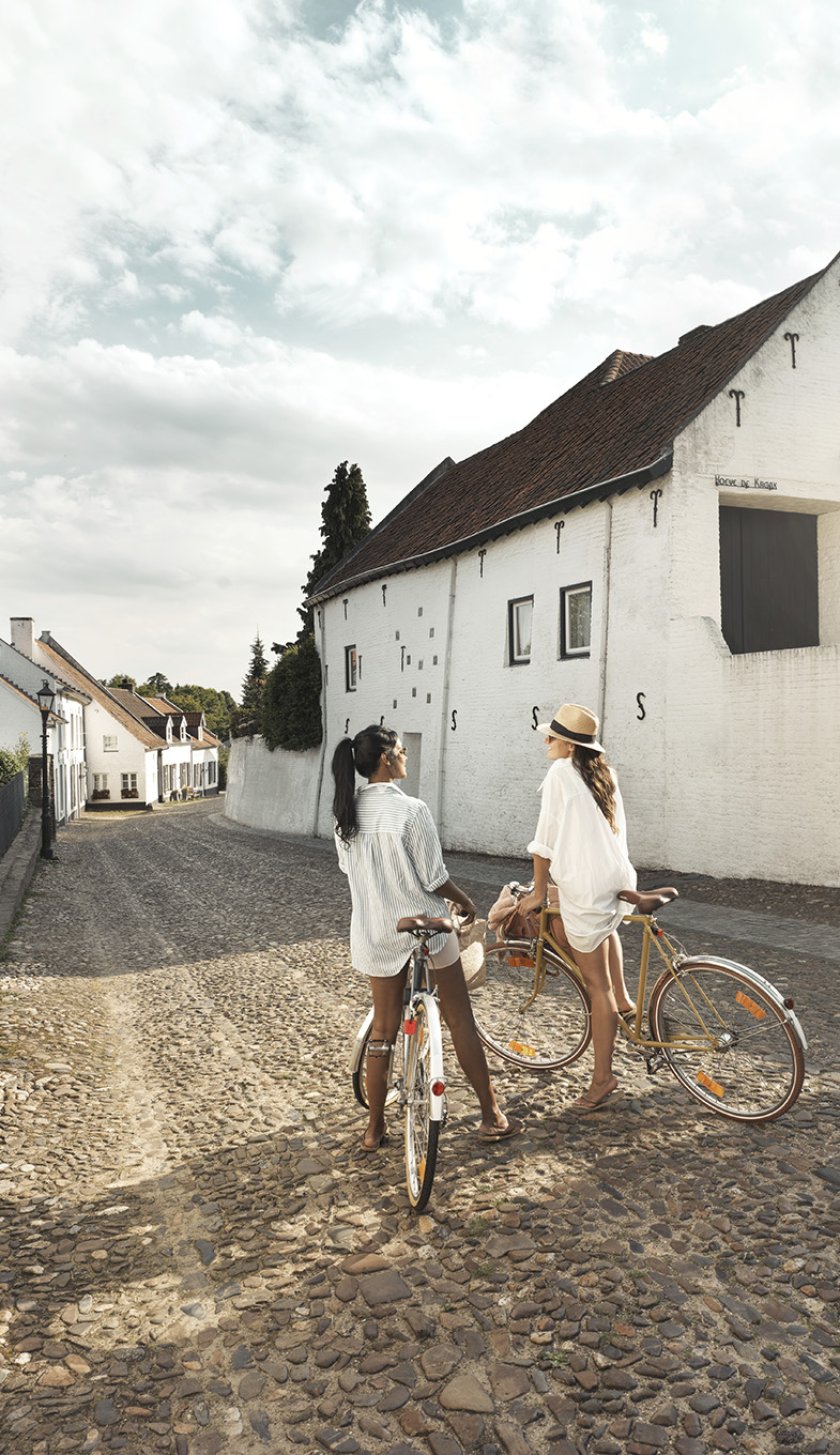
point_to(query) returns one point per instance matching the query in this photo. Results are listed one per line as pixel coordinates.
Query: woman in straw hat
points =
(390, 851)
(581, 840)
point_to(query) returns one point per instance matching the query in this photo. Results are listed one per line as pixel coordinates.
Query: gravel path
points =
(194, 1256)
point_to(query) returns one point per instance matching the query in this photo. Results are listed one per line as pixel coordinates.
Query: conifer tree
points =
(345, 521)
(253, 688)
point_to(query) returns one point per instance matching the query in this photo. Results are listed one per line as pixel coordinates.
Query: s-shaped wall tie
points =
(793, 340)
(737, 395)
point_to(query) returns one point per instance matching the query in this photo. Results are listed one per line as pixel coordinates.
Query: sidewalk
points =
(17, 868)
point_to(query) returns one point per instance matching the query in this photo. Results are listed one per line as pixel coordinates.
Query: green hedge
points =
(14, 760)
(291, 715)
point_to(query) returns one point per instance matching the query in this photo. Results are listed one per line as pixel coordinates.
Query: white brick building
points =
(663, 544)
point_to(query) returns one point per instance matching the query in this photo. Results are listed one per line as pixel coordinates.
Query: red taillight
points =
(409, 1027)
(438, 1088)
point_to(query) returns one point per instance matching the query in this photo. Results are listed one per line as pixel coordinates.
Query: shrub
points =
(291, 716)
(14, 760)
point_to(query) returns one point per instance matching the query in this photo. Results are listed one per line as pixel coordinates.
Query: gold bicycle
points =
(730, 1037)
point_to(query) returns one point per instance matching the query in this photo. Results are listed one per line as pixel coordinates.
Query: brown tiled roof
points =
(613, 429)
(76, 674)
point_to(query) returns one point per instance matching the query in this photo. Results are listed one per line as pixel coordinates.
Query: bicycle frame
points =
(674, 959)
(419, 986)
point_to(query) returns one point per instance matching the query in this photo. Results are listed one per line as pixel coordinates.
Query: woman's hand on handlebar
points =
(464, 905)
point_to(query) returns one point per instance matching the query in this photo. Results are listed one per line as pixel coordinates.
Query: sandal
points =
(500, 1134)
(375, 1146)
(589, 1103)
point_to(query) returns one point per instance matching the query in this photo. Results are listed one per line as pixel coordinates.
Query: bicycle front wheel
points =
(727, 1040)
(359, 1065)
(551, 1032)
(423, 1101)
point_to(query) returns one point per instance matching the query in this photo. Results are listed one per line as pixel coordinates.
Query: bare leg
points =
(387, 992)
(457, 1012)
(623, 999)
(596, 970)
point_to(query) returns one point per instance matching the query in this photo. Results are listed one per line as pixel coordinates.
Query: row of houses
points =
(662, 544)
(108, 748)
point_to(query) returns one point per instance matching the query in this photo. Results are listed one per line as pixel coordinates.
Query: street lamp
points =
(46, 698)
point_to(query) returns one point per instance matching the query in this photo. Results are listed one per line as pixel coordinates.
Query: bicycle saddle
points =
(648, 901)
(420, 924)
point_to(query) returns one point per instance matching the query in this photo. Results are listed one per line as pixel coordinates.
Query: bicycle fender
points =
(435, 1053)
(693, 962)
(359, 1041)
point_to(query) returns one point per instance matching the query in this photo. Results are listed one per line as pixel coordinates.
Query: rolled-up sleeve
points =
(547, 832)
(423, 848)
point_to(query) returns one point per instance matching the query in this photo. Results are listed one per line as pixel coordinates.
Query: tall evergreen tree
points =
(253, 688)
(345, 521)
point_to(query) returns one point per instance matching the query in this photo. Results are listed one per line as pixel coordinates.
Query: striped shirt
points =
(394, 864)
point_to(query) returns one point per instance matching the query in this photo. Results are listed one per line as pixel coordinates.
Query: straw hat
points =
(575, 724)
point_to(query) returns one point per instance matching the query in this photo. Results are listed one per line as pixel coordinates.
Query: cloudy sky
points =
(243, 240)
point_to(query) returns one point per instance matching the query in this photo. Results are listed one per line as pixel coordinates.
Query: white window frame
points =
(100, 782)
(128, 782)
(110, 743)
(516, 656)
(567, 595)
(351, 668)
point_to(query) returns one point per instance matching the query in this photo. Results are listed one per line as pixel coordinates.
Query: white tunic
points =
(394, 863)
(589, 863)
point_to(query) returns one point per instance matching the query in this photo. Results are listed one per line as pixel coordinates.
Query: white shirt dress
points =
(589, 863)
(394, 864)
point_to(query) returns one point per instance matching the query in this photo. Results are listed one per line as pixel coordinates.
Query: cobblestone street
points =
(196, 1258)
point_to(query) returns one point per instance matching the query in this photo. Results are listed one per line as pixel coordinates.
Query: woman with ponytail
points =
(581, 839)
(389, 849)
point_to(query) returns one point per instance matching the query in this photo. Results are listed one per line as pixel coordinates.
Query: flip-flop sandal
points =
(501, 1134)
(367, 1147)
(584, 1104)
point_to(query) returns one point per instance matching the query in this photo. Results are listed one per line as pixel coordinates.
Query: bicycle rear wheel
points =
(423, 1101)
(553, 1031)
(749, 1066)
(359, 1065)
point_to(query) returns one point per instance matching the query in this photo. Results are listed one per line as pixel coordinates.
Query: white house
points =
(662, 543)
(189, 764)
(121, 754)
(20, 713)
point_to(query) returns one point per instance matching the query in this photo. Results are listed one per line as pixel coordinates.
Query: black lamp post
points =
(46, 698)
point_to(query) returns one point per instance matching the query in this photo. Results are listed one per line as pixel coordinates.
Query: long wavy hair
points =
(360, 754)
(595, 772)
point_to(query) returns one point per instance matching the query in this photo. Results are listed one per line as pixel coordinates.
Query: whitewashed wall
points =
(277, 791)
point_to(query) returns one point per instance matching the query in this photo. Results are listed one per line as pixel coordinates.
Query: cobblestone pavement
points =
(195, 1257)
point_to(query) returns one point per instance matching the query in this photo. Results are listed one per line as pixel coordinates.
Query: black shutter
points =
(768, 576)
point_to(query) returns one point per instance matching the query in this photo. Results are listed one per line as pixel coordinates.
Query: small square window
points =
(428, 696)
(351, 668)
(419, 611)
(109, 743)
(434, 661)
(520, 620)
(576, 620)
(431, 631)
(414, 691)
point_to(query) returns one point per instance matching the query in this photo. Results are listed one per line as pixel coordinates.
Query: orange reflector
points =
(750, 1005)
(520, 1049)
(438, 1088)
(709, 1084)
(409, 1027)
(518, 960)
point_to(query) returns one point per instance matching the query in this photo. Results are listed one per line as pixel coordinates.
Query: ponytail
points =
(594, 770)
(360, 754)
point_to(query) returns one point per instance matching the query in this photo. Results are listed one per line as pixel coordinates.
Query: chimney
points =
(23, 635)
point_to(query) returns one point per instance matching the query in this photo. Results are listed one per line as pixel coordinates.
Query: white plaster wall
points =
(17, 718)
(277, 791)
(402, 641)
(130, 756)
